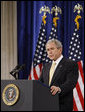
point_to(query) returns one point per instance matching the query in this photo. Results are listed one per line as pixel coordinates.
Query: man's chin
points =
(51, 58)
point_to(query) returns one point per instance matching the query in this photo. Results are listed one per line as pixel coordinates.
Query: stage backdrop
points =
(29, 22)
(29, 35)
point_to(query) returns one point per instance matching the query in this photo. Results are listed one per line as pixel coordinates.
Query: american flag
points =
(40, 56)
(76, 55)
(53, 33)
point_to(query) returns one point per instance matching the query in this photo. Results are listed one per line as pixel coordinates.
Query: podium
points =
(33, 96)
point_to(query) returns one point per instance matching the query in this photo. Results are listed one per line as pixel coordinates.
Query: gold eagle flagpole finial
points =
(44, 9)
(78, 8)
(56, 10)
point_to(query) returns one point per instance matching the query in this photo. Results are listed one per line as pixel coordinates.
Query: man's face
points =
(52, 51)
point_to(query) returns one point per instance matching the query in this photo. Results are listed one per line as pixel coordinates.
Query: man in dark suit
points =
(62, 77)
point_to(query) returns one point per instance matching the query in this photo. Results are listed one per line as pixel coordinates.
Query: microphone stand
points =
(15, 75)
(15, 71)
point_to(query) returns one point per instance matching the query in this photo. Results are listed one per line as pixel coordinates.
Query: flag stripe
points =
(74, 106)
(77, 101)
(81, 84)
(35, 74)
(40, 66)
(32, 75)
(80, 95)
(37, 68)
(81, 70)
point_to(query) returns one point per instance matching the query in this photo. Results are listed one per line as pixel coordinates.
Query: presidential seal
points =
(10, 94)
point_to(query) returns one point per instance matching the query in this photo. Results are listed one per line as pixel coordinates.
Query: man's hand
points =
(55, 90)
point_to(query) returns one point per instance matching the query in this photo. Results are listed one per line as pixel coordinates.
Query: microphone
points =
(16, 70)
(17, 67)
(20, 68)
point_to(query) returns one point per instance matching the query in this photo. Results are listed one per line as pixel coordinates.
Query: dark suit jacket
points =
(65, 77)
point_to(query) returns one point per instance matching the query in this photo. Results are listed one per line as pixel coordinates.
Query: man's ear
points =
(61, 50)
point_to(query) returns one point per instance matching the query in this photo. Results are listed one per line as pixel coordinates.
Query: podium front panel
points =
(24, 102)
(33, 96)
(43, 99)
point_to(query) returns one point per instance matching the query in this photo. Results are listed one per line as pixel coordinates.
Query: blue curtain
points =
(28, 26)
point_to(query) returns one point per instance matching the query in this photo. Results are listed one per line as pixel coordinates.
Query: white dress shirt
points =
(58, 60)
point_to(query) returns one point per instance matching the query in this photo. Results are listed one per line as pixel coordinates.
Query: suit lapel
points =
(48, 70)
(58, 70)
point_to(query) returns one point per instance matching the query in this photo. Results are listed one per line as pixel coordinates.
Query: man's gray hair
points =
(56, 41)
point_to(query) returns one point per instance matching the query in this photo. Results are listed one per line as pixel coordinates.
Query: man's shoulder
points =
(69, 61)
(47, 64)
